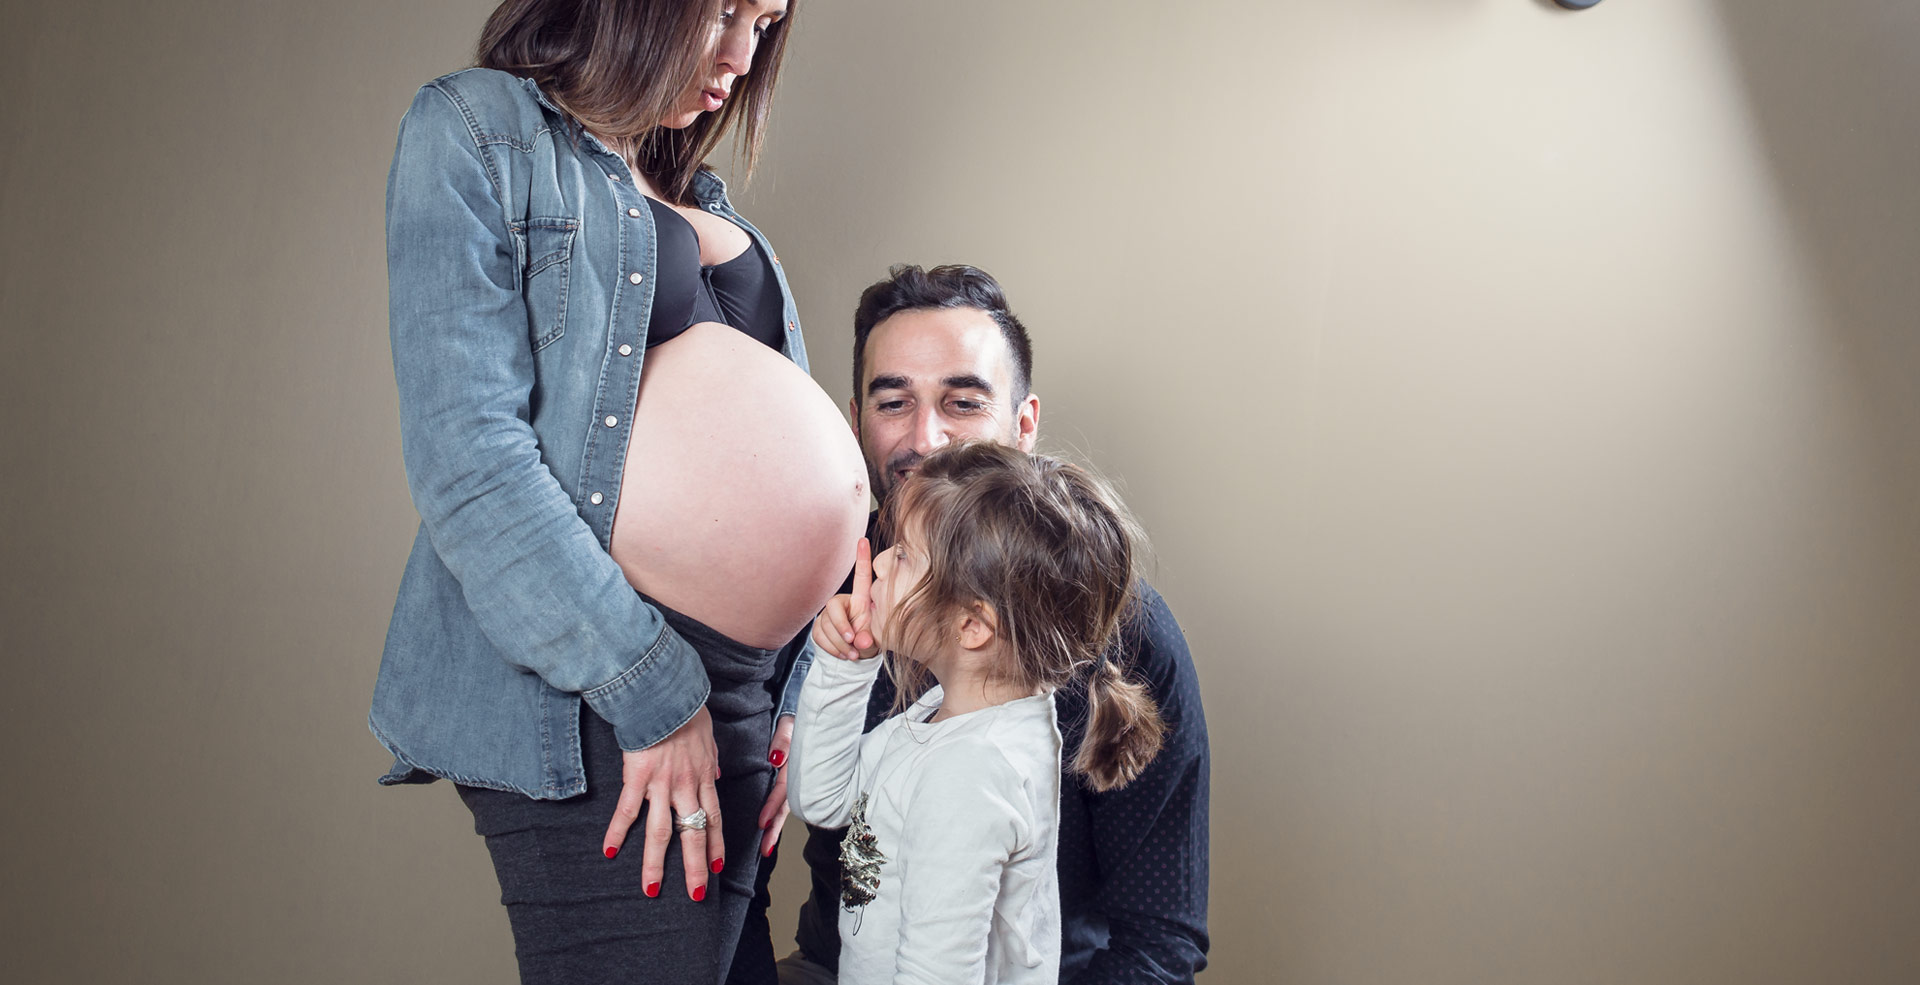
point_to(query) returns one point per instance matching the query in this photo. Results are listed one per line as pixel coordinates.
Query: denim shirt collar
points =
(708, 187)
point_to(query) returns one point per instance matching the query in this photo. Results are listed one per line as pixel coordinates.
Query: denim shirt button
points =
(596, 499)
(635, 278)
(611, 421)
(634, 213)
(625, 349)
(612, 177)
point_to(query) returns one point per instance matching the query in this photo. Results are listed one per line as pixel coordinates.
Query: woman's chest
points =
(720, 239)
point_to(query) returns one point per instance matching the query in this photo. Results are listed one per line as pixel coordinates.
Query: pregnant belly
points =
(743, 492)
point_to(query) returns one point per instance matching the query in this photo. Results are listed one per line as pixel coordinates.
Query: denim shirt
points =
(520, 259)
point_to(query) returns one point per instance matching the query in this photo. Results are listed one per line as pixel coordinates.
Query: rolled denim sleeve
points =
(537, 579)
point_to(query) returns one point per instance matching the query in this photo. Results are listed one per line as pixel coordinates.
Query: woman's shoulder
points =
(484, 83)
(494, 102)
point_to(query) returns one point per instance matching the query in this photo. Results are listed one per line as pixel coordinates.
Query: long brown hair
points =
(1051, 547)
(619, 67)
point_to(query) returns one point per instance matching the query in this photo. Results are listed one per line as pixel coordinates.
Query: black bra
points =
(741, 292)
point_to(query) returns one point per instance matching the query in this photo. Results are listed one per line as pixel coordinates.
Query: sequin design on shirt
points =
(860, 860)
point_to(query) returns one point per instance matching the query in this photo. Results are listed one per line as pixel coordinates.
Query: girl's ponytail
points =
(1124, 728)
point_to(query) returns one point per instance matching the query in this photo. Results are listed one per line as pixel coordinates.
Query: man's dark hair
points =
(953, 285)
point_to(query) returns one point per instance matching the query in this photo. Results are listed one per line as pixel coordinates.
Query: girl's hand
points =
(672, 776)
(842, 629)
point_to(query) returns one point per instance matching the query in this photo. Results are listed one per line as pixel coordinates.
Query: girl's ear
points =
(979, 626)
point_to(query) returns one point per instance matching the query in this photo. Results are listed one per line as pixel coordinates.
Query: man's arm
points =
(1150, 837)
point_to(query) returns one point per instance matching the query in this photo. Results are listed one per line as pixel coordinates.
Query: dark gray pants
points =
(581, 919)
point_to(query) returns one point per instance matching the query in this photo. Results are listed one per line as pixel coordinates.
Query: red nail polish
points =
(653, 889)
(612, 850)
(718, 864)
(779, 756)
(699, 893)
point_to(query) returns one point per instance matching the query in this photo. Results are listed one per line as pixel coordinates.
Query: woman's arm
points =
(536, 578)
(534, 575)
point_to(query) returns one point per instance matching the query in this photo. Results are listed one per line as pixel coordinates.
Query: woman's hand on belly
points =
(672, 776)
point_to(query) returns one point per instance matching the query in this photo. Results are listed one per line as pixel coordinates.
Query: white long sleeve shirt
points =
(948, 866)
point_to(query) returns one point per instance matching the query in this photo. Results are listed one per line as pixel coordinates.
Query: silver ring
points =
(696, 821)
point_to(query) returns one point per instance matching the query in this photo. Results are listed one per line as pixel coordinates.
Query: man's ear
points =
(853, 416)
(980, 626)
(1026, 423)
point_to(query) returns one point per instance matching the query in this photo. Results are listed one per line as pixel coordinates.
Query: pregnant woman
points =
(631, 492)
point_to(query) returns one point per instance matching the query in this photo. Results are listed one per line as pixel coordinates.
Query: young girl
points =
(1008, 576)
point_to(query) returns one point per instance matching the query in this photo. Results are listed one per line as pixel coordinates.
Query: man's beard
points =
(887, 479)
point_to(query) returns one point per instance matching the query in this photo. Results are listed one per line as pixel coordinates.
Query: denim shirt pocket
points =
(544, 245)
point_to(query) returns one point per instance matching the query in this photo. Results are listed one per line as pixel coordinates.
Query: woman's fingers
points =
(634, 774)
(676, 773)
(772, 827)
(643, 790)
(702, 849)
(716, 853)
(773, 816)
(653, 864)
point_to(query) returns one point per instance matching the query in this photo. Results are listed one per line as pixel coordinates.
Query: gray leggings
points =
(581, 919)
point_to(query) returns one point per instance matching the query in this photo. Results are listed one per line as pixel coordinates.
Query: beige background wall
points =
(1523, 402)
